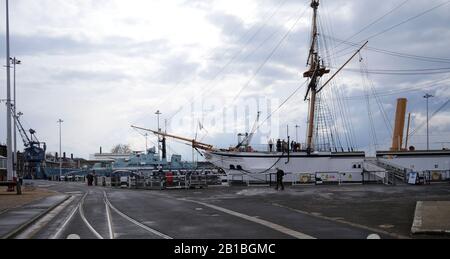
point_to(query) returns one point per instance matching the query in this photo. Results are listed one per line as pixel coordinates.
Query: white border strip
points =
(63, 226)
(108, 217)
(344, 222)
(265, 223)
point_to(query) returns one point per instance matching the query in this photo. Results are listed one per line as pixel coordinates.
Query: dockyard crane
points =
(248, 138)
(34, 152)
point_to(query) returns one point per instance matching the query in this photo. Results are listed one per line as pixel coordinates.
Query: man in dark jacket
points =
(280, 174)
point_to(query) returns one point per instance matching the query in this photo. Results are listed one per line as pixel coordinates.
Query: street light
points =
(10, 160)
(158, 113)
(60, 155)
(15, 62)
(428, 96)
(296, 132)
(146, 142)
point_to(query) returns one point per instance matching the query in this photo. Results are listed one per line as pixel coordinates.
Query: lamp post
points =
(9, 158)
(15, 62)
(296, 132)
(428, 96)
(60, 155)
(158, 113)
(146, 142)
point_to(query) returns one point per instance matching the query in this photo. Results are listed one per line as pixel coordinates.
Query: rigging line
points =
(387, 52)
(364, 66)
(343, 114)
(432, 116)
(281, 105)
(399, 70)
(216, 77)
(329, 134)
(405, 56)
(369, 110)
(247, 42)
(325, 46)
(404, 90)
(408, 20)
(347, 122)
(403, 73)
(375, 21)
(333, 112)
(268, 57)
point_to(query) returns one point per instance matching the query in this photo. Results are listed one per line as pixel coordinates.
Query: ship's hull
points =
(261, 166)
(418, 161)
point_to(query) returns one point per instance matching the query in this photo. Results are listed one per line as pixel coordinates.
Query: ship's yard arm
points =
(195, 144)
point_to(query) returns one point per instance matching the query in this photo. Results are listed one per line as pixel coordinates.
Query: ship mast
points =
(315, 72)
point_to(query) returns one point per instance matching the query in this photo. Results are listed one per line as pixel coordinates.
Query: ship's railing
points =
(266, 148)
(298, 147)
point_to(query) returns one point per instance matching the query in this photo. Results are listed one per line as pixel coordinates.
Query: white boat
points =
(299, 166)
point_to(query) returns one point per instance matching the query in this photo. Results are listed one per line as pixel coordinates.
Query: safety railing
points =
(429, 177)
(166, 181)
(437, 176)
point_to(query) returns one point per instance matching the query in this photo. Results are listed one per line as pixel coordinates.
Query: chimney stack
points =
(397, 139)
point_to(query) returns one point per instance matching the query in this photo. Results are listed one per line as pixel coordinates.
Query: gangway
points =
(396, 171)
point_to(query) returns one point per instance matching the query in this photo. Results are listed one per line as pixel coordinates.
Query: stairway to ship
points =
(396, 175)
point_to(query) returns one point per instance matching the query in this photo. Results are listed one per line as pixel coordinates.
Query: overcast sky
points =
(102, 65)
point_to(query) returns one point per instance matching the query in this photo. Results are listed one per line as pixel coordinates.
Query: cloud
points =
(103, 65)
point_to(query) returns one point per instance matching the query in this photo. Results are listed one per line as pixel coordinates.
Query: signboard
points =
(331, 177)
(412, 178)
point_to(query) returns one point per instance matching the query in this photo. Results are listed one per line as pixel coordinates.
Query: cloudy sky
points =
(103, 65)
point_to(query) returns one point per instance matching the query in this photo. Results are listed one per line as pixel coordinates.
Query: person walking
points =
(90, 179)
(280, 175)
(270, 145)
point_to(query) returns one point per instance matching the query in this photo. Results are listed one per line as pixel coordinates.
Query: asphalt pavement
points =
(322, 212)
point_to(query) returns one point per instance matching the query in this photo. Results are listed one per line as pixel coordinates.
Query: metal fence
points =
(2, 163)
(161, 182)
(428, 177)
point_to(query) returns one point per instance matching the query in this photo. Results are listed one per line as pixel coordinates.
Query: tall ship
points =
(319, 160)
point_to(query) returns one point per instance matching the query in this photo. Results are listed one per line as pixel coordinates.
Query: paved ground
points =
(432, 217)
(238, 212)
(9, 200)
(14, 218)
